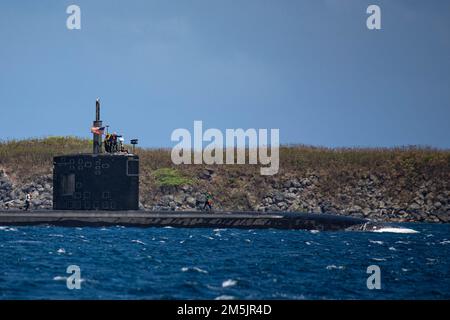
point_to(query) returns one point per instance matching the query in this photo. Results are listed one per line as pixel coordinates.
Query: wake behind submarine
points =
(102, 189)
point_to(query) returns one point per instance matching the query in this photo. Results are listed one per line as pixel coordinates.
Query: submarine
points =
(102, 189)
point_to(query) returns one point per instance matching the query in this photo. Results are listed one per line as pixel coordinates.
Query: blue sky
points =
(310, 68)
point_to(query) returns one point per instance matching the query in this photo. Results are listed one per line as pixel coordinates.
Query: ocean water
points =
(172, 263)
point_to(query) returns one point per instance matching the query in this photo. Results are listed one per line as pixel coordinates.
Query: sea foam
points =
(229, 283)
(396, 230)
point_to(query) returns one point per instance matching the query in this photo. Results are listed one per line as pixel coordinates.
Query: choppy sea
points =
(172, 263)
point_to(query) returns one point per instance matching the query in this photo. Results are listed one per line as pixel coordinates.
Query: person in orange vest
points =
(208, 201)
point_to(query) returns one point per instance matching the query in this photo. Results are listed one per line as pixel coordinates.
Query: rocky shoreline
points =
(368, 197)
(304, 195)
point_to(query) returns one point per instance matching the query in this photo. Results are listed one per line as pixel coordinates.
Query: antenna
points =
(97, 138)
(97, 109)
(134, 142)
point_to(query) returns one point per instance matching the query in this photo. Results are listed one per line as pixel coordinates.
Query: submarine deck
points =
(184, 219)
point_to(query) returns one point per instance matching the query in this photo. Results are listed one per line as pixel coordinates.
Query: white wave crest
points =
(26, 241)
(56, 235)
(199, 270)
(185, 269)
(7, 228)
(331, 267)
(378, 259)
(224, 297)
(396, 230)
(229, 283)
(61, 278)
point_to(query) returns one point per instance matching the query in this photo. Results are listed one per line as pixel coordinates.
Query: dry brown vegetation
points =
(402, 170)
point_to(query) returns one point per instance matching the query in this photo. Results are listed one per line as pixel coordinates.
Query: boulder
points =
(206, 174)
(191, 202)
(186, 188)
(273, 207)
(281, 205)
(290, 196)
(366, 211)
(443, 216)
(305, 182)
(165, 200)
(279, 197)
(179, 199)
(414, 206)
(355, 209)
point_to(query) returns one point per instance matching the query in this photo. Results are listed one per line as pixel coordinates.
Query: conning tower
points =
(97, 181)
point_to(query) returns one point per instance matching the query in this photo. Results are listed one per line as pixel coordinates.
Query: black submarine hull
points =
(185, 219)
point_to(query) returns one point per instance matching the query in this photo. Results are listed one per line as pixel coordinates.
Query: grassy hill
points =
(407, 183)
